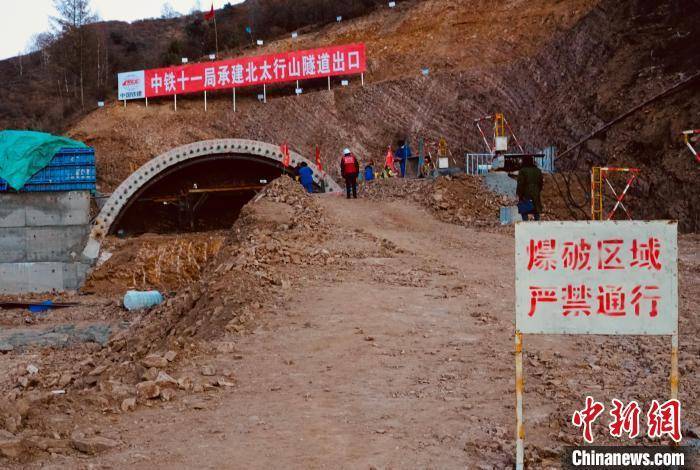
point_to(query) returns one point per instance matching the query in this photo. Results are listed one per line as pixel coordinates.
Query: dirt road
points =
(401, 361)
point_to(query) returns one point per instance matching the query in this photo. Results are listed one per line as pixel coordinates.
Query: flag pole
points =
(216, 37)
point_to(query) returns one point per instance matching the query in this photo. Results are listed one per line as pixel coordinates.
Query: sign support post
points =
(205, 101)
(234, 99)
(264, 93)
(329, 83)
(674, 367)
(147, 101)
(175, 96)
(519, 428)
(362, 78)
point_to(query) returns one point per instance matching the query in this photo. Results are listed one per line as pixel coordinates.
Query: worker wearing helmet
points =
(349, 168)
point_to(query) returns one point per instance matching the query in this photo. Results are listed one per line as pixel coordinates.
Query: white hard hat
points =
(346, 151)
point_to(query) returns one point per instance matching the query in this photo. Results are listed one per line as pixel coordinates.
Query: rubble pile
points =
(272, 232)
(461, 199)
(276, 236)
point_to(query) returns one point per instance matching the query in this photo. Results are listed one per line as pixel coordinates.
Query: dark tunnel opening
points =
(206, 193)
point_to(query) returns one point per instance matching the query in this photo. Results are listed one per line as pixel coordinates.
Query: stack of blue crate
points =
(68, 170)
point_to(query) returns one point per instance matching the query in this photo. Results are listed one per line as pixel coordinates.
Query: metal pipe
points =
(674, 367)
(519, 428)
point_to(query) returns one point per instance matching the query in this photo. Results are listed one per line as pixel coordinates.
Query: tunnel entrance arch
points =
(249, 158)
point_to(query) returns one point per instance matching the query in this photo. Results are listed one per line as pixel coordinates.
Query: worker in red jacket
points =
(350, 168)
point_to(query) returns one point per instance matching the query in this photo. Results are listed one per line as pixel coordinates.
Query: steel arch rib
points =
(141, 177)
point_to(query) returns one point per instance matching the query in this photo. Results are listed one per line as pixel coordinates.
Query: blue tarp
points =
(23, 153)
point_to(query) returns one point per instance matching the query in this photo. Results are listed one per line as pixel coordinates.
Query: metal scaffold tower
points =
(599, 180)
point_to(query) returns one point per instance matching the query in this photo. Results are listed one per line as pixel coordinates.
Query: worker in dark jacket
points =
(529, 190)
(350, 168)
(306, 177)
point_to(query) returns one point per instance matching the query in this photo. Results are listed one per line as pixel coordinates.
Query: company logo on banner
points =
(132, 85)
(247, 71)
(597, 277)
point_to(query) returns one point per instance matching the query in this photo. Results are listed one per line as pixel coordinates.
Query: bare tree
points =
(42, 43)
(70, 23)
(168, 11)
(197, 7)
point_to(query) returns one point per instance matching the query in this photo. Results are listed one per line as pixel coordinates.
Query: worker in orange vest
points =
(349, 168)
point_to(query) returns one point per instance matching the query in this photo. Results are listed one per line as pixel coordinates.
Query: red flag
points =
(284, 148)
(318, 158)
(210, 16)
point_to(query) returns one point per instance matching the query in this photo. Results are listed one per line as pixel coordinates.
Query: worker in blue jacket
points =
(403, 154)
(306, 177)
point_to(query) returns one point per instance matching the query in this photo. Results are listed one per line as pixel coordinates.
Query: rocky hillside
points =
(558, 71)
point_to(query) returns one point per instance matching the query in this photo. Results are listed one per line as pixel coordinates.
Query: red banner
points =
(248, 71)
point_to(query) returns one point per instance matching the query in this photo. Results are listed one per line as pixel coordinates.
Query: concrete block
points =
(11, 215)
(13, 245)
(18, 278)
(55, 243)
(74, 275)
(57, 208)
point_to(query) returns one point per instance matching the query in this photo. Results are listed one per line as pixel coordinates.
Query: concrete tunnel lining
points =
(155, 167)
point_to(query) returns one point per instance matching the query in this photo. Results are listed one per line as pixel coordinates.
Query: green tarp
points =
(23, 153)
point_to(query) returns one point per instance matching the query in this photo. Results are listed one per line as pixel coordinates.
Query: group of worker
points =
(350, 169)
(529, 188)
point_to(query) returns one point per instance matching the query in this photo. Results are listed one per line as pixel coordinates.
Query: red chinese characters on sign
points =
(577, 255)
(576, 300)
(541, 254)
(611, 301)
(609, 255)
(647, 294)
(547, 255)
(248, 71)
(646, 254)
(541, 294)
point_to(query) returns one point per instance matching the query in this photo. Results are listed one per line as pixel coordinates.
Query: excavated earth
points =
(326, 332)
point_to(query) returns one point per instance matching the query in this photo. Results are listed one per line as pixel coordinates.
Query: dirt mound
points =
(273, 231)
(226, 281)
(162, 262)
(462, 200)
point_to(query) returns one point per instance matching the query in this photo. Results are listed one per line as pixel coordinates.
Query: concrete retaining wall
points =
(42, 236)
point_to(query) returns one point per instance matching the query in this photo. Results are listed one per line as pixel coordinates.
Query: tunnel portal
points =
(200, 186)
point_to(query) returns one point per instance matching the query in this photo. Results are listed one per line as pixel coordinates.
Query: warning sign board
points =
(615, 277)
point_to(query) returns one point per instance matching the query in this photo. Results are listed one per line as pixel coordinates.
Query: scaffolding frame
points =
(599, 175)
(500, 126)
(691, 136)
